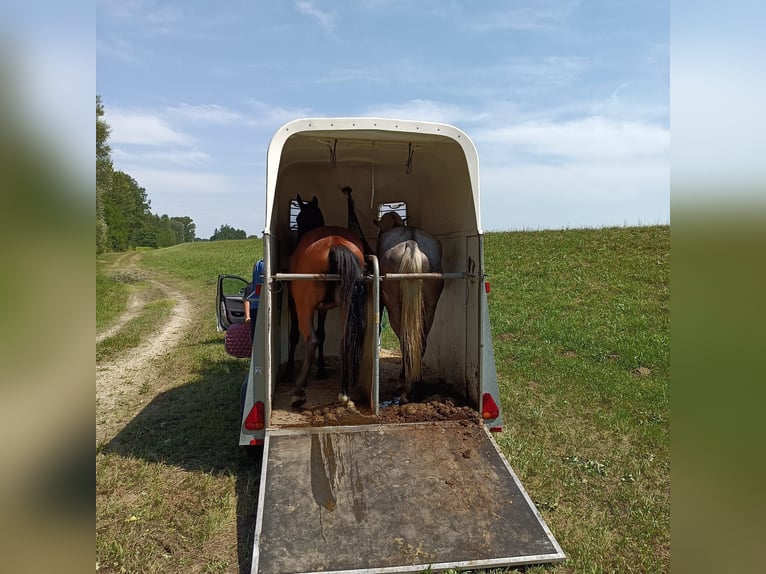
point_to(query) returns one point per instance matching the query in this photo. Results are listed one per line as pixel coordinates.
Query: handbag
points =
(237, 341)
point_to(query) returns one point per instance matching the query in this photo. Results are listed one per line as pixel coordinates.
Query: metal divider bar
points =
(305, 277)
(401, 276)
(375, 399)
(386, 277)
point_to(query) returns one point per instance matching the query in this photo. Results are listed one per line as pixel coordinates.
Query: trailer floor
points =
(393, 498)
(434, 403)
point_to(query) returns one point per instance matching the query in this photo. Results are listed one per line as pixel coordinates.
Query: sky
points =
(567, 101)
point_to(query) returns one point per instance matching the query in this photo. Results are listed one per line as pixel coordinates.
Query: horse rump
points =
(411, 303)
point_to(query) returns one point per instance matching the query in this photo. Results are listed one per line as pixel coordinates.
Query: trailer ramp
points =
(393, 498)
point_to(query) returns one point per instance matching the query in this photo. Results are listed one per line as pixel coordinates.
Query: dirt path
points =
(118, 381)
(136, 302)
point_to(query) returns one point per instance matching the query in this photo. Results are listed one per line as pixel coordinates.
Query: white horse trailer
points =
(369, 496)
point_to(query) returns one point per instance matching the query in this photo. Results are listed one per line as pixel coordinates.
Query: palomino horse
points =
(327, 250)
(411, 303)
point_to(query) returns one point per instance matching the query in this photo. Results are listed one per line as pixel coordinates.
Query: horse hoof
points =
(343, 399)
(298, 401)
(403, 400)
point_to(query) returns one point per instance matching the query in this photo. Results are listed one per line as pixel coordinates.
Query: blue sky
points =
(567, 101)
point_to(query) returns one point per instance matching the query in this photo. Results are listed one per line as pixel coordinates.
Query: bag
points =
(237, 341)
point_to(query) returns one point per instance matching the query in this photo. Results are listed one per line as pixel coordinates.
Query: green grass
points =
(199, 264)
(112, 292)
(580, 323)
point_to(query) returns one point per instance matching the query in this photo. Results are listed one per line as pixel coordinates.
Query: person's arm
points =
(246, 304)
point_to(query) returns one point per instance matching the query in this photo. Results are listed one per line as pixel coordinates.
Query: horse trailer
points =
(361, 490)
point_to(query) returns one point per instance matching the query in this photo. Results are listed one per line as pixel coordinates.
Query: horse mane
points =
(310, 216)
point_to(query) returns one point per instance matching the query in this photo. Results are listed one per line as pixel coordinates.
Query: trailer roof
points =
(433, 165)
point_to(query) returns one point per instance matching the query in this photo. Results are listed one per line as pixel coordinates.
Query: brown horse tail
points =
(351, 296)
(412, 312)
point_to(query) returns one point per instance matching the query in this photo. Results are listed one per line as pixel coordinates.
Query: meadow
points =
(580, 327)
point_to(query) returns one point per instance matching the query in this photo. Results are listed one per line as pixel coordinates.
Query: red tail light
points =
(255, 419)
(489, 409)
(258, 289)
(486, 286)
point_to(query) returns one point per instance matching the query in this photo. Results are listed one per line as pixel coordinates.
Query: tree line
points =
(124, 219)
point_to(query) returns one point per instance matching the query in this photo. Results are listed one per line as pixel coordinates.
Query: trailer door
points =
(393, 498)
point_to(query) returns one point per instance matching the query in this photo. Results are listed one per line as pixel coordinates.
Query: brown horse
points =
(327, 250)
(411, 303)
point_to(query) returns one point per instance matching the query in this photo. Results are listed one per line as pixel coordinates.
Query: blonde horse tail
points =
(412, 313)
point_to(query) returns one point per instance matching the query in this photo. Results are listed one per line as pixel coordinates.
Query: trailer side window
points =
(399, 207)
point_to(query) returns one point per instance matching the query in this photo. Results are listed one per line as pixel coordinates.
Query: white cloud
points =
(587, 182)
(143, 128)
(149, 16)
(535, 196)
(163, 181)
(117, 47)
(208, 113)
(592, 138)
(569, 174)
(325, 19)
(272, 117)
(534, 15)
(425, 110)
(184, 156)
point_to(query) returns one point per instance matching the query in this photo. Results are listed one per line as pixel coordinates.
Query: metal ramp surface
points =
(393, 498)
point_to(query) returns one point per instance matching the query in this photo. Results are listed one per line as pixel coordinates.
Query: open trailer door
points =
(393, 498)
(229, 305)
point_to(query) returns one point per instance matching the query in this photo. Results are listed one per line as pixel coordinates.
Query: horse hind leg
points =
(294, 338)
(320, 332)
(299, 394)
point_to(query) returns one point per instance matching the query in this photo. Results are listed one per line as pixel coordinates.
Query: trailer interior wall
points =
(439, 195)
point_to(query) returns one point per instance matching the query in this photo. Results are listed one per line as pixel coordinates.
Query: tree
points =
(126, 208)
(166, 235)
(103, 175)
(227, 232)
(188, 228)
(123, 216)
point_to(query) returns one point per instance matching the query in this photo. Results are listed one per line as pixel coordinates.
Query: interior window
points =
(295, 209)
(399, 207)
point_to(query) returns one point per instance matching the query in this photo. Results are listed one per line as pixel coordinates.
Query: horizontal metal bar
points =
(400, 276)
(387, 276)
(306, 276)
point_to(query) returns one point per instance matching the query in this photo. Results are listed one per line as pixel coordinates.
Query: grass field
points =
(580, 323)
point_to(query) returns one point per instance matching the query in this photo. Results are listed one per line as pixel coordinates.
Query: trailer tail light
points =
(489, 409)
(255, 419)
(486, 286)
(257, 442)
